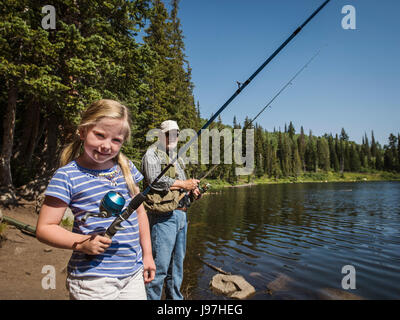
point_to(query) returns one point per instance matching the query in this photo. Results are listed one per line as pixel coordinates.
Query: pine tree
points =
(157, 39)
(311, 154)
(302, 148)
(291, 130)
(334, 162)
(343, 135)
(367, 153)
(235, 125)
(286, 156)
(390, 155)
(379, 163)
(323, 154)
(276, 171)
(258, 151)
(198, 110)
(180, 87)
(373, 145)
(355, 163)
(343, 150)
(296, 164)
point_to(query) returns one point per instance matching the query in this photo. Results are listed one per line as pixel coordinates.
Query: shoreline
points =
(329, 177)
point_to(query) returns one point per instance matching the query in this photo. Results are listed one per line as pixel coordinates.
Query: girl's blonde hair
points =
(98, 110)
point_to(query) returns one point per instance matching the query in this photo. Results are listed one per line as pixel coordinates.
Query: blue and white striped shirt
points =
(83, 189)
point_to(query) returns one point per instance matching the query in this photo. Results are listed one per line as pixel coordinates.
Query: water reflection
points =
(307, 232)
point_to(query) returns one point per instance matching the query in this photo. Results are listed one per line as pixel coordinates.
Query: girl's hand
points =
(94, 245)
(149, 269)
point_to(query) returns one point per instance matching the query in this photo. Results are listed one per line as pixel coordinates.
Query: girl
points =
(91, 166)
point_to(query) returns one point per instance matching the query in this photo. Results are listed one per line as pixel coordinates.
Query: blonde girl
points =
(90, 166)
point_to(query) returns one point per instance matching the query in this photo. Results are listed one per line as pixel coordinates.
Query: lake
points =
(301, 233)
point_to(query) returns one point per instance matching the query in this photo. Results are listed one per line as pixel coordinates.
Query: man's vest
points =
(166, 200)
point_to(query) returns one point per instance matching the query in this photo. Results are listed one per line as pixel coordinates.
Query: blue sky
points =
(353, 83)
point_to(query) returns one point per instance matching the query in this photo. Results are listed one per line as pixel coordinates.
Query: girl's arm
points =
(145, 242)
(50, 232)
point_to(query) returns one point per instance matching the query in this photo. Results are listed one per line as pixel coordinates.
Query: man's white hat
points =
(169, 125)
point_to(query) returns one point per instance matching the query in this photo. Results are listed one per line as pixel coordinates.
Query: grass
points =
(3, 228)
(67, 222)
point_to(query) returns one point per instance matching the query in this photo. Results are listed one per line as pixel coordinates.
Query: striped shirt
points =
(83, 189)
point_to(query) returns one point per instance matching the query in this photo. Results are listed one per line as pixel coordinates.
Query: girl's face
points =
(101, 143)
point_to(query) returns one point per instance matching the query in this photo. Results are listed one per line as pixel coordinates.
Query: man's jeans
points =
(168, 240)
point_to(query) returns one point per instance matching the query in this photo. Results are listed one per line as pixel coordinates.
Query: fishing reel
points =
(188, 199)
(110, 206)
(202, 190)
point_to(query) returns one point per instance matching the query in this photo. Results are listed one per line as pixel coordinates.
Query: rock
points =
(233, 286)
(39, 202)
(337, 294)
(7, 197)
(279, 284)
(223, 285)
(255, 274)
(48, 250)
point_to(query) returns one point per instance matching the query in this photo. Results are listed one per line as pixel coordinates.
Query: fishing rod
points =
(263, 109)
(141, 197)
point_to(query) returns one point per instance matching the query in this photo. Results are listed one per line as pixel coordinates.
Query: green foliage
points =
(93, 53)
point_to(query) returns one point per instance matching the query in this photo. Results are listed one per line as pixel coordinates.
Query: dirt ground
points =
(22, 258)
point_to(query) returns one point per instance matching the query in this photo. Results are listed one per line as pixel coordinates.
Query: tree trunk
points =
(29, 136)
(51, 139)
(33, 132)
(8, 137)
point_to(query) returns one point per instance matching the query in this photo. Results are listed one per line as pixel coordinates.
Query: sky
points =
(353, 83)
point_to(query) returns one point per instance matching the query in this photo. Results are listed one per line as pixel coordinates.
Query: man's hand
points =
(196, 193)
(191, 184)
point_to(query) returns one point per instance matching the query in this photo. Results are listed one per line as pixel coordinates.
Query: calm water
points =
(306, 232)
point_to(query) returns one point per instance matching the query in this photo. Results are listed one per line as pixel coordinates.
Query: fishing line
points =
(263, 109)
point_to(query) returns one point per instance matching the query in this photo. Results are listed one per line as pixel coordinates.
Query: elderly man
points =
(166, 206)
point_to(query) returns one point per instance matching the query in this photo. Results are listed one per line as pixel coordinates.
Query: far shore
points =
(313, 177)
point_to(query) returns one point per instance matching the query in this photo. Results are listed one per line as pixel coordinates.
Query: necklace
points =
(110, 176)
